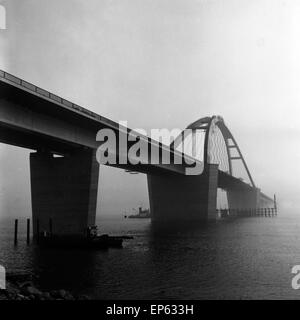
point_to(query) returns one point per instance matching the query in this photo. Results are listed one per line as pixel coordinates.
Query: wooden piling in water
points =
(28, 231)
(16, 232)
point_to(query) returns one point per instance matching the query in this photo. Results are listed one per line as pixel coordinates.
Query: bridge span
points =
(64, 170)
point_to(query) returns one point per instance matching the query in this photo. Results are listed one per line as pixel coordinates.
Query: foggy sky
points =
(164, 64)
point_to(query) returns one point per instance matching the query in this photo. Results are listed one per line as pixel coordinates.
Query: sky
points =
(163, 64)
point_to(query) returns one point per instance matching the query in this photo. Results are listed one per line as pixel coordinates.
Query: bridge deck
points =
(32, 117)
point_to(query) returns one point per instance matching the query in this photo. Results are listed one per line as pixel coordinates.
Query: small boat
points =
(142, 214)
(99, 241)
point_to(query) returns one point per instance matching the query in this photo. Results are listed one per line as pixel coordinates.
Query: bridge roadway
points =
(36, 119)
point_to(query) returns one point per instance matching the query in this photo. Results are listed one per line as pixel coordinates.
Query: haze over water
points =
(246, 258)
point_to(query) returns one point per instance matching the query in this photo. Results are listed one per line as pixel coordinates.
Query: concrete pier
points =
(175, 198)
(64, 189)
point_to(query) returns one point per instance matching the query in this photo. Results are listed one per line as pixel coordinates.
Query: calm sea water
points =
(247, 258)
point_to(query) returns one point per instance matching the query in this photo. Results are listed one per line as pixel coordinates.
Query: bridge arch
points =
(217, 143)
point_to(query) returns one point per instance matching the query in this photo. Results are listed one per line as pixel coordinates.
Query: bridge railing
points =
(46, 94)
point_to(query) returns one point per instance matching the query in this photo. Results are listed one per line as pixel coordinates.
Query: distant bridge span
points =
(65, 188)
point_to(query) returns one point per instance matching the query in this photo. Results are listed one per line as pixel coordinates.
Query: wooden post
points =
(16, 231)
(275, 205)
(28, 231)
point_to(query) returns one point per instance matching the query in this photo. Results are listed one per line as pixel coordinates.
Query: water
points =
(247, 258)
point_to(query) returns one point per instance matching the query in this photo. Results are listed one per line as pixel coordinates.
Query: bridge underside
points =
(64, 189)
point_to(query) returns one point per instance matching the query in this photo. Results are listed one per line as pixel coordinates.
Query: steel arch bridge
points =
(210, 141)
(49, 125)
(216, 146)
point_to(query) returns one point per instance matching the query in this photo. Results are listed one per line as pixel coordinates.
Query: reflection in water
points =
(245, 258)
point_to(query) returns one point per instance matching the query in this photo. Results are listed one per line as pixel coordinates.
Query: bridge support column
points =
(64, 191)
(241, 199)
(184, 198)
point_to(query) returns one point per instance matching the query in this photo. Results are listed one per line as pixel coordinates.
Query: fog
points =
(163, 64)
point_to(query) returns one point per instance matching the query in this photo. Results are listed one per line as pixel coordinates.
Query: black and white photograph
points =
(149, 153)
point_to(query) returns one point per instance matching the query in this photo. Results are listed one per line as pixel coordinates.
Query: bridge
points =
(64, 171)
